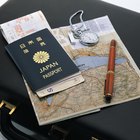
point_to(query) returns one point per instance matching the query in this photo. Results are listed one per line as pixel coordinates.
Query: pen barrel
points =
(111, 62)
(111, 83)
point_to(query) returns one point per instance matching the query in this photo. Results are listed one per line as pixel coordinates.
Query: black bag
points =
(13, 94)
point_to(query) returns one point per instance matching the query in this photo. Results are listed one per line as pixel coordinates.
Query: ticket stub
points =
(23, 26)
(60, 86)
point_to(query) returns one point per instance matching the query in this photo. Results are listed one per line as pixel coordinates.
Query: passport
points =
(41, 60)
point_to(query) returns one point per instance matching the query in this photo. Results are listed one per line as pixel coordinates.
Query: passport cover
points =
(41, 59)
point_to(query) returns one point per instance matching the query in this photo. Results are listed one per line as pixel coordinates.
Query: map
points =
(88, 96)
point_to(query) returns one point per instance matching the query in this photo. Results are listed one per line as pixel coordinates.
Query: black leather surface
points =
(8, 130)
(119, 122)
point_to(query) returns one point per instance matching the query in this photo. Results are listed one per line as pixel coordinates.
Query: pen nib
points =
(108, 98)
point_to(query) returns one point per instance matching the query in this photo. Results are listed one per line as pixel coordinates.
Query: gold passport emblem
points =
(41, 57)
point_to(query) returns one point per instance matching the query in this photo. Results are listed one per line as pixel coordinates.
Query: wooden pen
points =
(109, 82)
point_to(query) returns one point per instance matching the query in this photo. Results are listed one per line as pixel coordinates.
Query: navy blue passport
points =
(41, 59)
